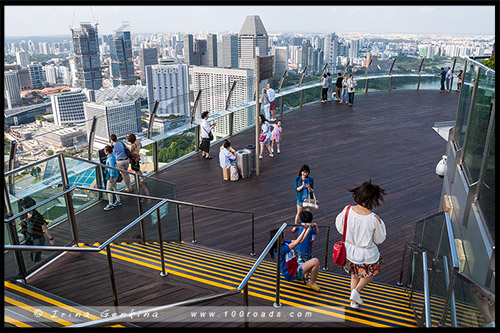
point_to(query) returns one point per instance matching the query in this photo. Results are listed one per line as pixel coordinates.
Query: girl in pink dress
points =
(276, 135)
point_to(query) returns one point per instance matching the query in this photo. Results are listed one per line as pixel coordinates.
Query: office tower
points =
(65, 75)
(12, 89)
(68, 107)
(331, 52)
(306, 46)
(229, 50)
(353, 49)
(114, 118)
(87, 63)
(211, 55)
(252, 41)
(37, 77)
(147, 56)
(215, 84)
(169, 85)
(51, 74)
(22, 58)
(120, 50)
(189, 56)
(280, 59)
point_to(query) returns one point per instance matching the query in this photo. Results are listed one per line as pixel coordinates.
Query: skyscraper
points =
(120, 50)
(37, 77)
(331, 51)
(280, 59)
(147, 56)
(200, 52)
(210, 58)
(68, 107)
(353, 49)
(12, 89)
(252, 41)
(87, 63)
(229, 51)
(169, 85)
(22, 58)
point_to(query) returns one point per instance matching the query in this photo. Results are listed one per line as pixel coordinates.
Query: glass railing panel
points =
(478, 124)
(146, 154)
(172, 147)
(81, 173)
(54, 213)
(417, 286)
(464, 105)
(244, 118)
(487, 201)
(313, 95)
(429, 83)
(374, 84)
(404, 82)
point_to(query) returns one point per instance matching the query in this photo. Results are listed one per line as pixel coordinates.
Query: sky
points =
(56, 20)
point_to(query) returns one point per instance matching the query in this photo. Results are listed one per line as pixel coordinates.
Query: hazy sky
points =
(56, 20)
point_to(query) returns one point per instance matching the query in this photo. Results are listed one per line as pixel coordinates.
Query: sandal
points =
(354, 305)
(209, 157)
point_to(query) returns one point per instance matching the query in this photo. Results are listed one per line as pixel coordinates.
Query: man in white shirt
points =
(330, 86)
(448, 77)
(351, 88)
(272, 96)
(225, 157)
(206, 132)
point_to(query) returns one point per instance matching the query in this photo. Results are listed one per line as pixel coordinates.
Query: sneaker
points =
(278, 151)
(314, 287)
(354, 305)
(356, 297)
(117, 203)
(260, 157)
(271, 155)
(294, 229)
(109, 207)
(272, 150)
(273, 119)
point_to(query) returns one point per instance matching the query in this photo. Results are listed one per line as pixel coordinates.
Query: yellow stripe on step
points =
(15, 322)
(39, 312)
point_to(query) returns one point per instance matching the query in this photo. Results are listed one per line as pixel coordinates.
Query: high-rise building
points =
(210, 58)
(37, 76)
(51, 74)
(229, 51)
(12, 89)
(87, 62)
(147, 56)
(68, 107)
(331, 51)
(169, 85)
(22, 58)
(114, 118)
(306, 47)
(280, 59)
(353, 49)
(253, 41)
(120, 50)
(200, 52)
(204, 78)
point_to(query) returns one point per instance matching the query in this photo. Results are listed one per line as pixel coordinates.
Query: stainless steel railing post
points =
(112, 275)
(192, 225)
(277, 303)
(160, 237)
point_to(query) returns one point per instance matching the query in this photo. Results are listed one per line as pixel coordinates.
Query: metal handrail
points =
(165, 308)
(426, 312)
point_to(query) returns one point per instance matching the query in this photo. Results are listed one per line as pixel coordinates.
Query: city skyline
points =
(438, 20)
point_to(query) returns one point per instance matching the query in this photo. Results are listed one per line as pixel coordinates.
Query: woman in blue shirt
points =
(111, 178)
(304, 184)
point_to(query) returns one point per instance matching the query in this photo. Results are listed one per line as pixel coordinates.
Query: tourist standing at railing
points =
(330, 86)
(135, 147)
(265, 136)
(206, 135)
(225, 158)
(272, 106)
(324, 89)
(449, 74)
(290, 268)
(338, 86)
(343, 98)
(304, 184)
(459, 82)
(122, 160)
(364, 230)
(34, 226)
(443, 78)
(351, 88)
(266, 104)
(111, 178)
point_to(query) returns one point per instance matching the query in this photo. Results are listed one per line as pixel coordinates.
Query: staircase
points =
(27, 306)
(384, 305)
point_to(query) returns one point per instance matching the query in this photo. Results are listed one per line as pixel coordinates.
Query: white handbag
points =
(311, 203)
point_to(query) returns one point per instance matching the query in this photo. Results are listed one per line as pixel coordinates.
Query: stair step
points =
(27, 306)
(384, 305)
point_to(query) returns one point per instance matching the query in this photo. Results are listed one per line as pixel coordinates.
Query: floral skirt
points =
(363, 270)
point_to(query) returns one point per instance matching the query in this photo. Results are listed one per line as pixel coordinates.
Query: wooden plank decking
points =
(387, 137)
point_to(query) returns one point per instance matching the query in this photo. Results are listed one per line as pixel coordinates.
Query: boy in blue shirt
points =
(304, 249)
(290, 268)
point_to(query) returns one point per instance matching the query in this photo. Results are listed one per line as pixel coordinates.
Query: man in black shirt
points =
(338, 85)
(34, 226)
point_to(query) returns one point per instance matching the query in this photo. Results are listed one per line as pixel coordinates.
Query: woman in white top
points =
(264, 98)
(265, 134)
(364, 231)
(206, 131)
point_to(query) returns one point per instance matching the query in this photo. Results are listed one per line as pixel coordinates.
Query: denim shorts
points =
(302, 257)
(300, 272)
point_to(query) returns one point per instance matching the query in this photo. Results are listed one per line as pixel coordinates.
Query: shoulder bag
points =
(311, 203)
(339, 247)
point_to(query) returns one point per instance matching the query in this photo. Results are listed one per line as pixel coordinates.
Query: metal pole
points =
(139, 206)
(300, 84)
(450, 298)
(91, 137)
(14, 238)
(452, 70)
(366, 75)
(151, 119)
(325, 268)
(12, 166)
(163, 272)
(400, 283)
(345, 69)
(112, 275)
(419, 76)
(390, 74)
(277, 303)
(69, 199)
(257, 113)
(192, 224)
(253, 235)
(245, 303)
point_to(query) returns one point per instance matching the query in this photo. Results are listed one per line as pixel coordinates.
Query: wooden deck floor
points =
(387, 137)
